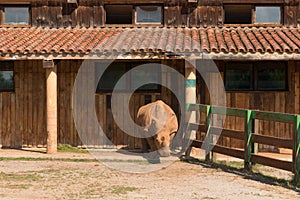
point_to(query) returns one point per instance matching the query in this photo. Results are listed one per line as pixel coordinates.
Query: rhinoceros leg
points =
(145, 145)
(151, 144)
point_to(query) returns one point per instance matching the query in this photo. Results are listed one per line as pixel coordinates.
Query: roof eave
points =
(194, 55)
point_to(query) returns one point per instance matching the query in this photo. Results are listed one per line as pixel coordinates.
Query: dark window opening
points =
(6, 77)
(123, 76)
(239, 76)
(252, 14)
(118, 14)
(238, 14)
(255, 76)
(271, 76)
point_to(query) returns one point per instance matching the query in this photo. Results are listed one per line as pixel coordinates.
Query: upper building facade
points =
(167, 13)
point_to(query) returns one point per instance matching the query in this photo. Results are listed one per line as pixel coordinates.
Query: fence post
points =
(207, 139)
(248, 140)
(296, 150)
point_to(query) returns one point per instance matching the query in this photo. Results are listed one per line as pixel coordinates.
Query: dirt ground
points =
(66, 177)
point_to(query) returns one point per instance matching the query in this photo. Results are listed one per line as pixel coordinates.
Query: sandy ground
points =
(90, 179)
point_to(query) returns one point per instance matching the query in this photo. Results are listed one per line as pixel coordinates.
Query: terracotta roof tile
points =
(221, 42)
(195, 41)
(149, 39)
(229, 41)
(246, 41)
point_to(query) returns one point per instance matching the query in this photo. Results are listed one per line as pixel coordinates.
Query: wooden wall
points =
(284, 102)
(23, 114)
(67, 132)
(23, 117)
(57, 13)
(90, 13)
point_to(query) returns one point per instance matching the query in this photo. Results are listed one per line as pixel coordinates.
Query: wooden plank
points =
(8, 130)
(25, 122)
(228, 151)
(35, 120)
(13, 121)
(105, 119)
(196, 107)
(197, 143)
(120, 133)
(136, 107)
(197, 127)
(273, 116)
(61, 100)
(20, 98)
(279, 164)
(84, 111)
(30, 139)
(274, 141)
(4, 114)
(228, 111)
(67, 98)
(228, 133)
(18, 109)
(41, 134)
(74, 69)
(100, 112)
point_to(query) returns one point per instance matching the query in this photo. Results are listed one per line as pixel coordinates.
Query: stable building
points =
(43, 44)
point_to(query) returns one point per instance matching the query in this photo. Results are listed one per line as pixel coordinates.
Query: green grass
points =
(118, 190)
(72, 160)
(47, 159)
(70, 149)
(19, 177)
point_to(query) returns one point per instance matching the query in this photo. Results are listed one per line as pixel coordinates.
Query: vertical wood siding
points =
(22, 120)
(277, 101)
(67, 71)
(23, 114)
(90, 13)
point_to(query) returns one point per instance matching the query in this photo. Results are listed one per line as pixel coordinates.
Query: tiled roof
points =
(153, 39)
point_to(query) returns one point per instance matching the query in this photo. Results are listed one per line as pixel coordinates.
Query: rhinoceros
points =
(159, 126)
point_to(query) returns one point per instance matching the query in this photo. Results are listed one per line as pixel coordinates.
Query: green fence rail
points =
(248, 154)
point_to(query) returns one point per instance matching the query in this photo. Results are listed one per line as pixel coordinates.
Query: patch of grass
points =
(18, 186)
(125, 161)
(118, 190)
(71, 160)
(234, 164)
(47, 159)
(19, 177)
(70, 149)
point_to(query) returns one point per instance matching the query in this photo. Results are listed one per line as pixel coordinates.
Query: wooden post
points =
(190, 98)
(248, 140)
(51, 102)
(207, 138)
(296, 150)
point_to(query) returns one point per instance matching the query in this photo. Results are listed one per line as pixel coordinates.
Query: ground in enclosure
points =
(76, 176)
